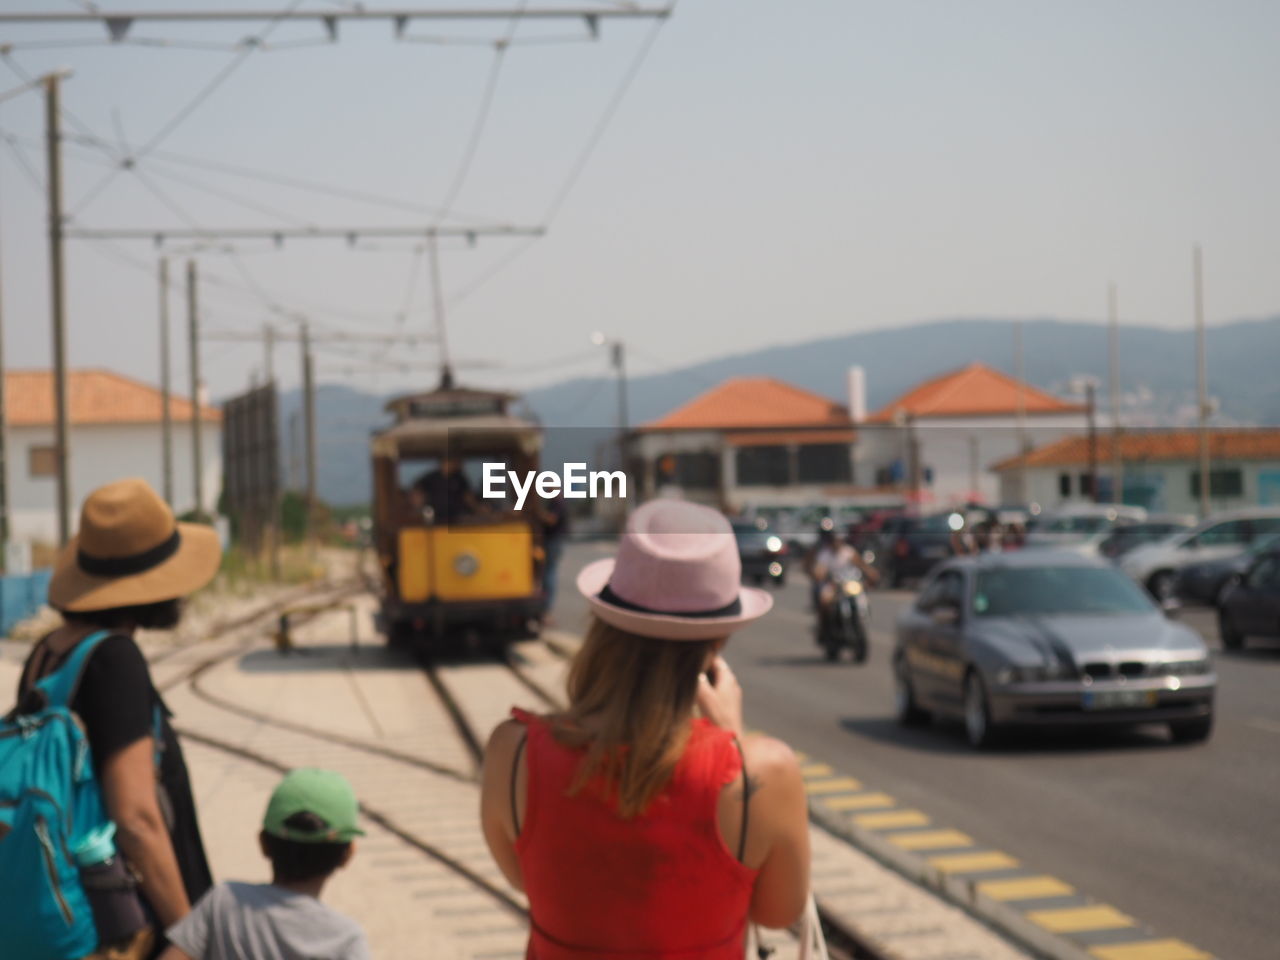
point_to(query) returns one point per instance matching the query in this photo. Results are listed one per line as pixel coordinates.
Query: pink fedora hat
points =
(677, 576)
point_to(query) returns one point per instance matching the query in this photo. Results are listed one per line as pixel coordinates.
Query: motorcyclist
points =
(831, 554)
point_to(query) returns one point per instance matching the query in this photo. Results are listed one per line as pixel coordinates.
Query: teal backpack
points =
(49, 801)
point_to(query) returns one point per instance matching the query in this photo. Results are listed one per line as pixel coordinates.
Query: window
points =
(42, 461)
(823, 463)
(1265, 574)
(1086, 485)
(1228, 482)
(947, 588)
(699, 471)
(1064, 484)
(1229, 533)
(764, 467)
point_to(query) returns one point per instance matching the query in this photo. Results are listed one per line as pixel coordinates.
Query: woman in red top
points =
(640, 822)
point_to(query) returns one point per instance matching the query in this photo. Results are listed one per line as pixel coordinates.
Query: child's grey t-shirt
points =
(252, 921)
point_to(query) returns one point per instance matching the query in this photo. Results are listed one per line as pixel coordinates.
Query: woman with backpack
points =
(127, 569)
(640, 821)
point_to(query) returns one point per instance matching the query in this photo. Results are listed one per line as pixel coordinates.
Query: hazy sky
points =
(777, 172)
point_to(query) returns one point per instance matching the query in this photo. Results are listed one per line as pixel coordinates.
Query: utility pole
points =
(166, 388)
(4, 426)
(309, 427)
(618, 355)
(1202, 383)
(1117, 456)
(974, 478)
(197, 451)
(57, 302)
(1019, 374)
(268, 352)
(1091, 403)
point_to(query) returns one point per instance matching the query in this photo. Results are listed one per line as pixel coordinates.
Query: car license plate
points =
(1119, 699)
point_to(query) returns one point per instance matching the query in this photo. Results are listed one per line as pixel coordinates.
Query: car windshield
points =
(1041, 591)
(1083, 524)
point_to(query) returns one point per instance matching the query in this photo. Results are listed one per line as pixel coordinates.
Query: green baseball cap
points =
(323, 793)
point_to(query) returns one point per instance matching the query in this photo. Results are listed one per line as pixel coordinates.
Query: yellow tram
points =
(454, 565)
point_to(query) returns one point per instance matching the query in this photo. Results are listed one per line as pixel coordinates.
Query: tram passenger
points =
(446, 492)
(128, 568)
(641, 821)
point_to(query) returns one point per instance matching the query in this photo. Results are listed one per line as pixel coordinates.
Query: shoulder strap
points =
(515, 772)
(746, 800)
(61, 685)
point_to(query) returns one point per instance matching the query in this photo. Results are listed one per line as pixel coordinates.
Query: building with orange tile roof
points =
(936, 438)
(1160, 468)
(114, 431)
(751, 441)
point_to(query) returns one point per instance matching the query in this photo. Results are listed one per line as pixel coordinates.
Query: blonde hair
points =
(638, 694)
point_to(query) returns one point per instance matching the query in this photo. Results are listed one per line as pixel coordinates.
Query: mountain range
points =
(1157, 369)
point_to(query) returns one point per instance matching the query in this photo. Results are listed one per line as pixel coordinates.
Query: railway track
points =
(382, 770)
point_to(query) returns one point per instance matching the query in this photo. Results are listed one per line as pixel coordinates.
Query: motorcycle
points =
(842, 616)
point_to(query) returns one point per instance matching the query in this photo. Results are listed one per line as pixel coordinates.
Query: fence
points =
(20, 597)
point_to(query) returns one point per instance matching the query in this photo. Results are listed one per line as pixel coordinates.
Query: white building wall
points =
(1168, 483)
(953, 447)
(99, 454)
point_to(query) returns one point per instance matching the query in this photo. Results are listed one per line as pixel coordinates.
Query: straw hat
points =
(129, 551)
(677, 576)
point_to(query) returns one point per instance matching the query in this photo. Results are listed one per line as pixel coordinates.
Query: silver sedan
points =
(1036, 638)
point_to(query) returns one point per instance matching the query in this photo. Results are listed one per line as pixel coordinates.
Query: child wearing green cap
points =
(307, 834)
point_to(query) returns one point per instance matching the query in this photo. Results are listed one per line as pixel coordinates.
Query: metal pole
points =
(4, 427)
(1202, 384)
(618, 352)
(268, 352)
(1090, 393)
(1117, 455)
(57, 303)
(309, 418)
(1019, 374)
(973, 467)
(437, 302)
(166, 388)
(197, 450)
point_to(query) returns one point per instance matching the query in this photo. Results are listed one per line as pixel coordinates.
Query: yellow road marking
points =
(889, 819)
(1025, 888)
(859, 801)
(838, 785)
(973, 862)
(1075, 919)
(931, 840)
(811, 771)
(1150, 950)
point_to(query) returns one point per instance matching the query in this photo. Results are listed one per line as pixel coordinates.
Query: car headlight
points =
(465, 564)
(773, 544)
(853, 587)
(1187, 668)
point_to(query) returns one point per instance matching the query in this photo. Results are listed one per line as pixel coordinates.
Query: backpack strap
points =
(61, 685)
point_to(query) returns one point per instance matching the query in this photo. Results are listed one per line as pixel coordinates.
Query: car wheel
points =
(1232, 638)
(1191, 731)
(905, 708)
(1160, 584)
(1229, 584)
(977, 714)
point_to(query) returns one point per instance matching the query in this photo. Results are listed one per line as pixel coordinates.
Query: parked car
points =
(1251, 608)
(1082, 526)
(910, 547)
(1133, 535)
(1207, 582)
(762, 552)
(1222, 535)
(1039, 638)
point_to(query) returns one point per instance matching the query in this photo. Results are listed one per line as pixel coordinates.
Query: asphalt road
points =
(1184, 838)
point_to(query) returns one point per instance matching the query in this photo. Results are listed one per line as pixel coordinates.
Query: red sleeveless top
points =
(660, 885)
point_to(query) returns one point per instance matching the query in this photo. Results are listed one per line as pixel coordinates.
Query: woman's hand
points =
(720, 697)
